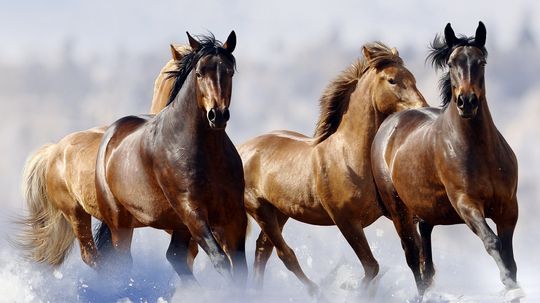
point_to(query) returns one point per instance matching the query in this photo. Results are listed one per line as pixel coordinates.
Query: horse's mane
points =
(209, 45)
(439, 52)
(335, 99)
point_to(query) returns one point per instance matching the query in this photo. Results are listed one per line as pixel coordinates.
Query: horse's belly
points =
(429, 203)
(141, 196)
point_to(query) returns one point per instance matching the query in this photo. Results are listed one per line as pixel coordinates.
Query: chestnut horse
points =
(59, 188)
(326, 180)
(178, 170)
(450, 165)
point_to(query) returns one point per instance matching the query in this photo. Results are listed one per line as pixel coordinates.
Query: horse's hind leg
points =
(265, 215)
(121, 242)
(82, 226)
(177, 255)
(263, 252)
(474, 218)
(425, 233)
(411, 243)
(193, 250)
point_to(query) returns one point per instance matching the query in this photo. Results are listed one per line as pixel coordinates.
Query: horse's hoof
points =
(313, 290)
(514, 294)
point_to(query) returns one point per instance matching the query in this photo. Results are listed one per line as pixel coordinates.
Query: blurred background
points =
(71, 65)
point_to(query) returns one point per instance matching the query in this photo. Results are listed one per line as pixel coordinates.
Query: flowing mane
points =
(335, 99)
(439, 52)
(209, 45)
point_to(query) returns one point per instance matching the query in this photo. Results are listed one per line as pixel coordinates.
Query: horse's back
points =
(278, 168)
(273, 149)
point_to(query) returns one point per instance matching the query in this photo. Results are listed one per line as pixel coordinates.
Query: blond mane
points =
(163, 84)
(336, 96)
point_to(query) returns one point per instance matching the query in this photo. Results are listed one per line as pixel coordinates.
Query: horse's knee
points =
(172, 256)
(288, 257)
(492, 244)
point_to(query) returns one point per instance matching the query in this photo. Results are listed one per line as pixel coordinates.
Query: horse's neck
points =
(181, 120)
(184, 124)
(360, 122)
(478, 132)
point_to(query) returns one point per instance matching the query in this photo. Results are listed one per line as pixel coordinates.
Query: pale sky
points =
(104, 26)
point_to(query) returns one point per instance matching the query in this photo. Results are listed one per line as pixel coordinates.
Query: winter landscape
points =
(67, 66)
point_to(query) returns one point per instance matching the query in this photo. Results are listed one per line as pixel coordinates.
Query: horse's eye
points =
(198, 74)
(392, 81)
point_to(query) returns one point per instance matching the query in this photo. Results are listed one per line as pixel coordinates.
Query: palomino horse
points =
(450, 165)
(59, 187)
(326, 180)
(179, 170)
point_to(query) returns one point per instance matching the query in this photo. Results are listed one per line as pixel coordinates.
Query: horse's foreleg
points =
(477, 223)
(506, 234)
(266, 218)
(202, 234)
(353, 231)
(425, 233)
(239, 263)
(177, 255)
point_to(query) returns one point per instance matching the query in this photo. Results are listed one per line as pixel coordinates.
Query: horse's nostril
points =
(226, 114)
(212, 115)
(460, 102)
(473, 100)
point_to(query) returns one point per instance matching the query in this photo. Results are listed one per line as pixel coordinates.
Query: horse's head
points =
(465, 58)
(213, 73)
(393, 86)
(466, 69)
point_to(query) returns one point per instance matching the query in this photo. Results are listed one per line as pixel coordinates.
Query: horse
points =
(450, 165)
(59, 188)
(326, 180)
(178, 170)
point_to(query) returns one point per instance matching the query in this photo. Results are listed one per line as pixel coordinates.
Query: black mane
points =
(209, 45)
(439, 52)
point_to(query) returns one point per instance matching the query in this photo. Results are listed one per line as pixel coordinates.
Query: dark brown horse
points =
(327, 180)
(179, 170)
(450, 165)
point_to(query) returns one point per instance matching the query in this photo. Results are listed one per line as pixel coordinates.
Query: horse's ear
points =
(449, 35)
(367, 53)
(175, 54)
(480, 36)
(394, 51)
(195, 45)
(230, 44)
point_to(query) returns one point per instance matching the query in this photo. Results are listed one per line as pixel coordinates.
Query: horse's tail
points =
(46, 235)
(103, 238)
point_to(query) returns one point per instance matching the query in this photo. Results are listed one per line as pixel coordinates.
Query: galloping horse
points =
(59, 187)
(179, 170)
(326, 180)
(450, 165)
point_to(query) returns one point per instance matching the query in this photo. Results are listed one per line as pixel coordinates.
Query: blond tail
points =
(46, 235)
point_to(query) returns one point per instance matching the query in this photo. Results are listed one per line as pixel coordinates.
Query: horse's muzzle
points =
(218, 118)
(467, 105)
